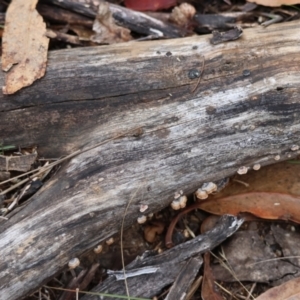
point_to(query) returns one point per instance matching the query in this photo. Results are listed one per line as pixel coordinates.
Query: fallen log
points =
(158, 117)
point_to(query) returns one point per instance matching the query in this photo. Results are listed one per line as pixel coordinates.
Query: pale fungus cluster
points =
(277, 157)
(98, 249)
(179, 203)
(242, 170)
(143, 207)
(295, 148)
(73, 264)
(206, 189)
(256, 167)
(110, 241)
(142, 219)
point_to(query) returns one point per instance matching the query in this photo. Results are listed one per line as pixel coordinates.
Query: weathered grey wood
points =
(184, 279)
(20, 163)
(244, 111)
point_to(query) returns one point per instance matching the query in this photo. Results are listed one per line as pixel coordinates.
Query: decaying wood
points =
(179, 130)
(168, 264)
(21, 163)
(63, 16)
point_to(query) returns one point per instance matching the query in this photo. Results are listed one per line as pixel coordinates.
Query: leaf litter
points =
(24, 46)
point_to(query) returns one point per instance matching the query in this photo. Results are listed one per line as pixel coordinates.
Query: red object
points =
(153, 5)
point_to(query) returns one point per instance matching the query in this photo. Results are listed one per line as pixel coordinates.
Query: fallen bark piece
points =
(257, 259)
(288, 241)
(63, 16)
(24, 46)
(184, 279)
(165, 267)
(4, 176)
(20, 163)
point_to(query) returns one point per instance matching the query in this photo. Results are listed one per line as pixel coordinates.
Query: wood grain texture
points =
(184, 279)
(244, 111)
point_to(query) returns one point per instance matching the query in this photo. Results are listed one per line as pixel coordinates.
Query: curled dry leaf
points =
(152, 230)
(24, 45)
(289, 290)
(261, 204)
(107, 32)
(275, 2)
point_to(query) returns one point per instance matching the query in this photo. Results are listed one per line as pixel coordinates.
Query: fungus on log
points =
(185, 112)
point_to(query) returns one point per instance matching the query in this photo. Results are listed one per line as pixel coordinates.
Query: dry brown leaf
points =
(287, 291)
(266, 205)
(107, 32)
(24, 45)
(278, 178)
(275, 2)
(208, 291)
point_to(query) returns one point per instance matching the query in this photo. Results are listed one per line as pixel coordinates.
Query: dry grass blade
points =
(273, 259)
(230, 269)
